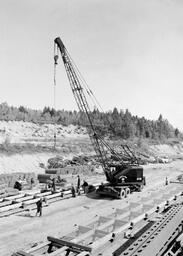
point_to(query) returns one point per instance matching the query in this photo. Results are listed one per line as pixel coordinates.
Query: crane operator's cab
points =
(122, 180)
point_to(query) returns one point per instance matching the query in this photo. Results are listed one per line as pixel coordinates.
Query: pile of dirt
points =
(57, 162)
(73, 170)
(84, 160)
(80, 160)
(76, 165)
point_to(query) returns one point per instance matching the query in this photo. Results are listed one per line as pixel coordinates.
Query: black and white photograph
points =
(91, 128)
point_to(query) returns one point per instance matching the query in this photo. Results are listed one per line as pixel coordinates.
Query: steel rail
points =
(142, 242)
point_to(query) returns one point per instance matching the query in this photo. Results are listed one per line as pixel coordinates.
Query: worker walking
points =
(78, 185)
(39, 205)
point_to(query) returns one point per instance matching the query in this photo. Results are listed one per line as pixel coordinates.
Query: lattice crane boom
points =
(114, 170)
(76, 86)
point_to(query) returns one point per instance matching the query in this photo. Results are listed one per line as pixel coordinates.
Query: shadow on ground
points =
(94, 195)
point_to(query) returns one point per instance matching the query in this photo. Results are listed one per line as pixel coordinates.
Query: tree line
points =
(115, 123)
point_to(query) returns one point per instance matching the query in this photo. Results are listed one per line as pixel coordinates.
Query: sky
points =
(130, 53)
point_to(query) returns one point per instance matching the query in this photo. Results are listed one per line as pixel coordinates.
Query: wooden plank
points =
(58, 194)
(33, 192)
(38, 247)
(10, 207)
(29, 202)
(10, 212)
(9, 198)
(22, 253)
(44, 194)
(71, 245)
(60, 250)
(25, 198)
(5, 203)
(83, 254)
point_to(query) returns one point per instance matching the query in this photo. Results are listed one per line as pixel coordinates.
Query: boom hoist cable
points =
(81, 93)
(127, 154)
(122, 175)
(54, 90)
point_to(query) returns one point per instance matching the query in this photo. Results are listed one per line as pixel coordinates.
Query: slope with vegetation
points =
(27, 136)
(115, 124)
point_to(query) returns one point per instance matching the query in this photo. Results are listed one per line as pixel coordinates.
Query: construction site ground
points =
(23, 230)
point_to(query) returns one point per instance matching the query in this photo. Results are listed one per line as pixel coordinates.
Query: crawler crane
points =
(123, 175)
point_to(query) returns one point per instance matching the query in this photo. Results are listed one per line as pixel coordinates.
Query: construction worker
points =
(39, 205)
(166, 181)
(53, 185)
(85, 185)
(32, 182)
(73, 191)
(18, 184)
(24, 178)
(78, 185)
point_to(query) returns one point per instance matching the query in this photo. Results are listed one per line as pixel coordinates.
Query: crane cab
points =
(122, 181)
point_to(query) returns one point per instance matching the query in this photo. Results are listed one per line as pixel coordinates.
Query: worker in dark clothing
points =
(166, 181)
(85, 185)
(18, 185)
(73, 190)
(39, 205)
(53, 185)
(78, 185)
(32, 182)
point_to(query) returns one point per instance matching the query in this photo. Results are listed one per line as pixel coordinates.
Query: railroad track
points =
(95, 235)
(141, 246)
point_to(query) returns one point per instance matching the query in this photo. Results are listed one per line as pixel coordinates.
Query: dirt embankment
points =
(23, 162)
(173, 150)
(23, 132)
(24, 146)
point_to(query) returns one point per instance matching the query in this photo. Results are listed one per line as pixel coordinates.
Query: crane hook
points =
(56, 59)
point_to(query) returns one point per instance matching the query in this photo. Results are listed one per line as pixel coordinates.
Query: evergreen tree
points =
(117, 124)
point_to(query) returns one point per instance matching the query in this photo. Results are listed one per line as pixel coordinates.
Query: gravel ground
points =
(60, 218)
